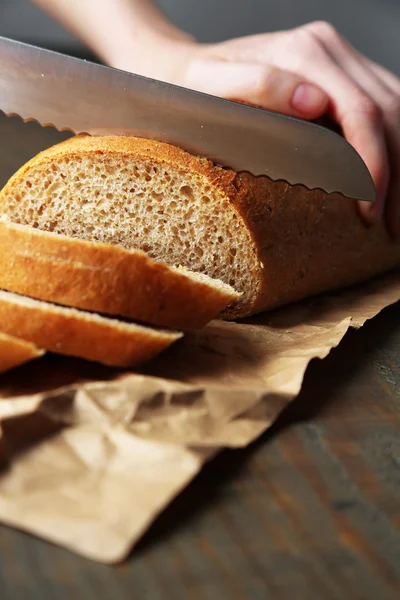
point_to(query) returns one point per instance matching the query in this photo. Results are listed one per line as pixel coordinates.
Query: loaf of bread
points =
(271, 242)
(77, 333)
(14, 352)
(106, 279)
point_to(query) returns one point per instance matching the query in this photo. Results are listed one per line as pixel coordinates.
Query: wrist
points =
(146, 42)
(133, 35)
(152, 53)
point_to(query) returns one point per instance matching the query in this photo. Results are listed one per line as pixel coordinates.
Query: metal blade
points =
(69, 93)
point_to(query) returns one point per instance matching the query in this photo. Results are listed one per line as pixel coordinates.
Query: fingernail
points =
(307, 98)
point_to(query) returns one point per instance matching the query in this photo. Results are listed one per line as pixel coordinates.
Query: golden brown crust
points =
(105, 279)
(137, 148)
(72, 332)
(307, 242)
(14, 352)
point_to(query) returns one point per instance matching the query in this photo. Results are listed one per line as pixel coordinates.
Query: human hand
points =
(274, 70)
(304, 72)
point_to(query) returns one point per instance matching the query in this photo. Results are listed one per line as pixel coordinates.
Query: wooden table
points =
(310, 511)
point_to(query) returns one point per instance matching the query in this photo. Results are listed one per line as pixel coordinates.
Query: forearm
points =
(126, 34)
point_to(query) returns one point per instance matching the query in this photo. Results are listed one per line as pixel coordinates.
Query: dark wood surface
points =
(310, 511)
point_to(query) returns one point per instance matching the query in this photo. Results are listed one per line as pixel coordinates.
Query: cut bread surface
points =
(107, 279)
(77, 333)
(138, 194)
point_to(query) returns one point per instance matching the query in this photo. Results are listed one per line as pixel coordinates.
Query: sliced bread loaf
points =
(15, 352)
(77, 333)
(272, 242)
(106, 279)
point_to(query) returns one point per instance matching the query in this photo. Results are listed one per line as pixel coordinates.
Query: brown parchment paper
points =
(90, 456)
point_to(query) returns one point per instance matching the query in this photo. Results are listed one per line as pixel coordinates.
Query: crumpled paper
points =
(90, 456)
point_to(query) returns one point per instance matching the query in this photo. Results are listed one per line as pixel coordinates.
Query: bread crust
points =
(14, 352)
(306, 242)
(72, 332)
(131, 147)
(106, 279)
(309, 242)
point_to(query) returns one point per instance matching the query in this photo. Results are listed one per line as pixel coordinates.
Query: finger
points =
(392, 209)
(359, 118)
(391, 80)
(392, 212)
(386, 93)
(376, 159)
(384, 89)
(355, 112)
(362, 126)
(380, 90)
(261, 85)
(381, 85)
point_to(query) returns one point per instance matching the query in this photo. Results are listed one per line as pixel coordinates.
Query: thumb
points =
(261, 85)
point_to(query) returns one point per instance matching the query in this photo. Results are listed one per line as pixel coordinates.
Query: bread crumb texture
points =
(139, 194)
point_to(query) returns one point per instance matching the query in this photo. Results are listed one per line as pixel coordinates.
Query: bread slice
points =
(272, 242)
(106, 279)
(14, 352)
(73, 332)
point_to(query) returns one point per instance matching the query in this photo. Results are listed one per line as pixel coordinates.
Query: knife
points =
(77, 95)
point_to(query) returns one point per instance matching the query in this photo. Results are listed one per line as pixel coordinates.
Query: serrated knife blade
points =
(70, 93)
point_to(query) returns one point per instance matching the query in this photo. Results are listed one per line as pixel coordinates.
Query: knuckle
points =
(365, 106)
(392, 107)
(305, 45)
(323, 30)
(266, 80)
